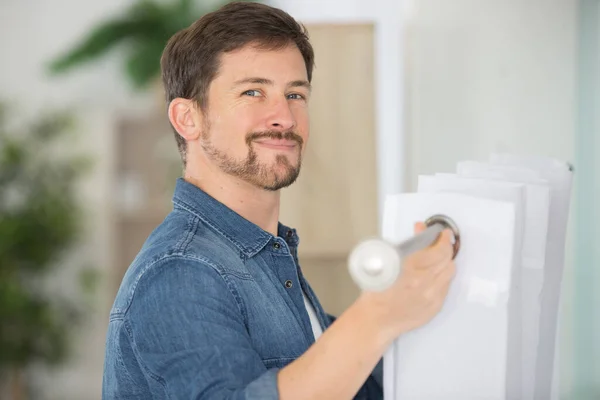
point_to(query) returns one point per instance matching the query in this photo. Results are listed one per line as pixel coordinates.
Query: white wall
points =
(489, 75)
(485, 76)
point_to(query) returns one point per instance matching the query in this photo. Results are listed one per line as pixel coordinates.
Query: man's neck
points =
(258, 206)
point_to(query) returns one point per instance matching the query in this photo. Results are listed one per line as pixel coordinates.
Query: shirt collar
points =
(245, 235)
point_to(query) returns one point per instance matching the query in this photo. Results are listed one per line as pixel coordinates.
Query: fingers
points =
(420, 227)
(443, 247)
(440, 251)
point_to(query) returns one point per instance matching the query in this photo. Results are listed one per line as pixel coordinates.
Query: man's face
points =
(256, 124)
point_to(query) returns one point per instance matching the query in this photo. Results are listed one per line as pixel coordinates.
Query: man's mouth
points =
(277, 144)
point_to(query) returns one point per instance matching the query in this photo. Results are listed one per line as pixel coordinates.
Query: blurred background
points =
(408, 87)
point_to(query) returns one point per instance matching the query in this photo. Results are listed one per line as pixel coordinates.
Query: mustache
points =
(287, 135)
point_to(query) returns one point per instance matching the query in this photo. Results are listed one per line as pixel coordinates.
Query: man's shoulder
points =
(181, 241)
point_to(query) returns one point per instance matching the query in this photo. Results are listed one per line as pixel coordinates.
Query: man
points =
(215, 305)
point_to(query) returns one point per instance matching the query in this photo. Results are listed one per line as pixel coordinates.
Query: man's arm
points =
(375, 381)
(188, 335)
(341, 360)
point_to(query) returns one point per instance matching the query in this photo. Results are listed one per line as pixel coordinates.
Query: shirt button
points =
(290, 234)
(288, 284)
(276, 245)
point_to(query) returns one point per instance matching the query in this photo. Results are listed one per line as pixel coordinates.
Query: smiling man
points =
(215, 305)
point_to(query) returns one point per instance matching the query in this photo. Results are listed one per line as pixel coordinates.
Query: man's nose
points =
(281, 117)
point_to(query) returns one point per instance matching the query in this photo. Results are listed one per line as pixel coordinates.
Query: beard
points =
(280, 174)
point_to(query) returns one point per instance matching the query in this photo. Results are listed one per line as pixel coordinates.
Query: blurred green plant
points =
(41, 219)
(144, 30)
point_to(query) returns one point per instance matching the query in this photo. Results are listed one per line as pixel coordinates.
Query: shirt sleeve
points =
(188, 333)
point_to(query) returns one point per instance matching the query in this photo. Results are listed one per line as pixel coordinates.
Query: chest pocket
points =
(273, 326)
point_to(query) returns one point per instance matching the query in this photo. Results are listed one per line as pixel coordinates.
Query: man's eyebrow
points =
(256, 80)
(265, 81)
(301, 83)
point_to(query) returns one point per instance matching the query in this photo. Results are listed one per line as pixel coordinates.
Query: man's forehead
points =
(250, 62)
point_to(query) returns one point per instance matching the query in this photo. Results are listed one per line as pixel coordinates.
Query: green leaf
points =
(51, 126)
(98, 42)
(40, 220)
(88, 279)
(143, 65)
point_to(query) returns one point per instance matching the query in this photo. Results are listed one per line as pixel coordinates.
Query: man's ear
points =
(185, 118)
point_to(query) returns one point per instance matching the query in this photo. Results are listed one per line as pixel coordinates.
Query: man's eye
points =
(295, 96)
(252, 93)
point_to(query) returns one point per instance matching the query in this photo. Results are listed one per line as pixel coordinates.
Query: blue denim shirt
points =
(206, 310)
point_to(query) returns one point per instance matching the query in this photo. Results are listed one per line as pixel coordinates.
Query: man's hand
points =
(421, 289)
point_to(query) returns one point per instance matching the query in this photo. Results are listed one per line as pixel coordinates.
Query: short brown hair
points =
(191, 58)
